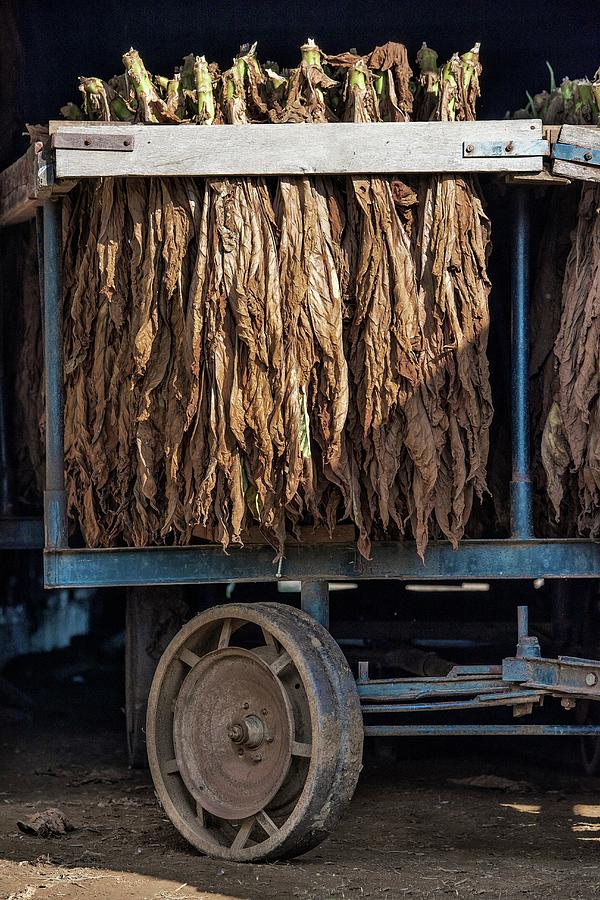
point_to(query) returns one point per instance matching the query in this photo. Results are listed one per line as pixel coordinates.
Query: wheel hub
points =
(251, 732)
(233, 733)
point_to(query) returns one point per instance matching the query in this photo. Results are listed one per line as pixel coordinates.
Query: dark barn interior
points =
(63, 728)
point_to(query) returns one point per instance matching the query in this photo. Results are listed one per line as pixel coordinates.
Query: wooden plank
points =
(18, 190)
(543, 178)
(580, 136)
(338, 148)
(27, 183)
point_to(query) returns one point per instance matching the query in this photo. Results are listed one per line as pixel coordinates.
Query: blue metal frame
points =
(499, 559)
(521, 516)
(21, 533)
(482, 730)
(521, 556)
(589, 156)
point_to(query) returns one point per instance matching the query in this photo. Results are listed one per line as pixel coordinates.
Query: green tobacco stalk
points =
(427, 59)
(175, 100)
(311, 54)
(448, 77)
(470, 65)
(95, 98)
(153, 108)
(428, 88)
(205, 100)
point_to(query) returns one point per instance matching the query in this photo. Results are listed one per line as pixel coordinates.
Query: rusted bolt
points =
(257, 757)
(126, 143)
(269, 739)
(265, 711)
(591, 679)
(245, 705)
(469, 148)
(236, 733)
(509, 147)
(587, 156)
(87, 142)
(240, 752)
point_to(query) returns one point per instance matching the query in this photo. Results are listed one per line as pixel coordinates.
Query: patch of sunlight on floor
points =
(586, 809)
(532, 808)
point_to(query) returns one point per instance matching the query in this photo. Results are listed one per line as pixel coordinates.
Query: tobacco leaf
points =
(571, 433)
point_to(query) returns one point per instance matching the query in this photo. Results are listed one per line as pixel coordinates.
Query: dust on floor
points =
(411, 830)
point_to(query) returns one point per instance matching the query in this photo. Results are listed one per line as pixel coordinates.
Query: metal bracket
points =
(571, 153)
(492, 149)
(566, 675)
(521, 683)
(94, 139)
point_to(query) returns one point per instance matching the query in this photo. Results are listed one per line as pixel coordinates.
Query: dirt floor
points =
(410, 831)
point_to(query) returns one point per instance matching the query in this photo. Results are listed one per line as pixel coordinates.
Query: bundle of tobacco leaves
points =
(387, 424)
(236, 359)
(571, 438)
(128, 265)
(320, 479)
(21, 369)
(563, 357)
(572, 102)
(235, 453)
(452, 244)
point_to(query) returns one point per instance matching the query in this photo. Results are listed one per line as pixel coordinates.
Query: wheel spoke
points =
(279, 664)
(267, 823)
(300, 749)
(170, 767)
(268, 637)
(200, 813)
(188, 657)
(225, 635)
(243, 834)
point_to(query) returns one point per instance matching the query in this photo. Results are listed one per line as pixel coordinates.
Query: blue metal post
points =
(55, 512)
(314, 599)
(521, 519)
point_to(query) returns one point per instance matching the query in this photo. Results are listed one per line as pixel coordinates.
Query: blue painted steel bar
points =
(515, 698)
(522, 622)
(314, 599)
(469, 730)
(571, 153)
(21, 534)
(391, 689)
(326, 562)
(521, 520)
(55, 514)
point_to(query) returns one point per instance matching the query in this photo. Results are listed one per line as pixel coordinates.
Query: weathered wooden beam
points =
(338, 148)
(27, 183)
(18, 190)
(578, 136)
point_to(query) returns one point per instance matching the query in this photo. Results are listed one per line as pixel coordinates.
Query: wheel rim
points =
(207, 703)
(233, 733)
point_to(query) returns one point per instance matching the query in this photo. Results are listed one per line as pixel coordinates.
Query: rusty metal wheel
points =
(254, 732)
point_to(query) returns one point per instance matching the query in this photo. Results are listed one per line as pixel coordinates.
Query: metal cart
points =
(255, 722)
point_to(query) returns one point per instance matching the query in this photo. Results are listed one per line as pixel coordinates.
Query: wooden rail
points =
(337, 148)
(79, 150)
